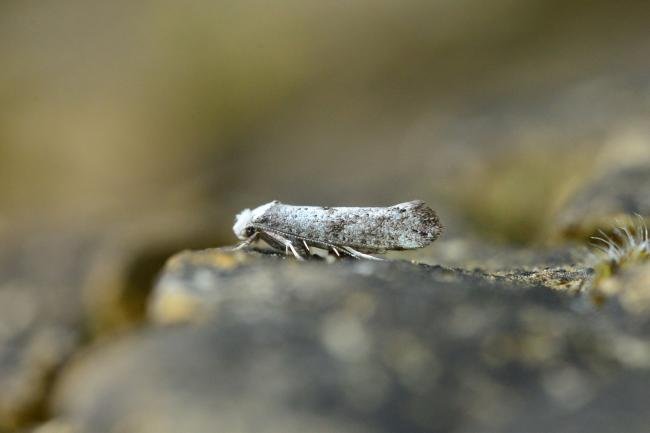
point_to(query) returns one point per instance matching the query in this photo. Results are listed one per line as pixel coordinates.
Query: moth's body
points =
(349, 231)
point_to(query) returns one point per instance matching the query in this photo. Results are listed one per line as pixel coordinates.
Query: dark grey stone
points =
(361, 346)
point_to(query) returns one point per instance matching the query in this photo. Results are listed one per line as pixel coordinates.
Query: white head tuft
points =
(242, 220)
(246, 217)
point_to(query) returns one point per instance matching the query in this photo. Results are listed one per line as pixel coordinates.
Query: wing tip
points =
(430, 226)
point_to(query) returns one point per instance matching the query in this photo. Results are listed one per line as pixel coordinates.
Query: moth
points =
(343, 231)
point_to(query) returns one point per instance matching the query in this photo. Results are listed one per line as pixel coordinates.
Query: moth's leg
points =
(245, 242)
(276, 241)
(293, 250)
(359, 255)
(273, 243)
(335, 251)
(286, 243)
(302, 247)
(304, 243)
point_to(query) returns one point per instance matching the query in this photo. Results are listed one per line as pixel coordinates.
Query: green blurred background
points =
(491, 111)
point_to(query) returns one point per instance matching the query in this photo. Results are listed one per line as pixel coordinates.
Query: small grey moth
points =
(343, 231)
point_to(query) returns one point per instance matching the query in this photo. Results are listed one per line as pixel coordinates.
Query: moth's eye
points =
(250, 231)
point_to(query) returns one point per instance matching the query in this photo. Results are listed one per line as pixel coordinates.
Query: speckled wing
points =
(370, 229)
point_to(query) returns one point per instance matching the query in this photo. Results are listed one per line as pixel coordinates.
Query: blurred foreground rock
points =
(357, 346)
(41, 316)
(62, 286)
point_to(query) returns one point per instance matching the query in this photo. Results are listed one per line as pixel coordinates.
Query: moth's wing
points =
(310, 223)
(403, 226)
(369, 229)
(421, 223)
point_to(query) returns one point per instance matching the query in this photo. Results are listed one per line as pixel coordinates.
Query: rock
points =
(282, 346)
(562, 268)
(618, 195)
(41, 315)
(60, 287)
(469, 252)
(195, 284)
(124, 269)
(568, 279)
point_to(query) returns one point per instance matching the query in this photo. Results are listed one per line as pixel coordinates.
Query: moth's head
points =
(243, 224)
(243, 227)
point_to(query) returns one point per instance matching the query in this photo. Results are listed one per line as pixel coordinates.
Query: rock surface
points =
(61, 287)
(355, 346)
(40, 318)
(196, 284)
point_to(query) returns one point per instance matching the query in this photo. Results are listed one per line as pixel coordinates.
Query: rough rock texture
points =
(195, 284)
(357, 346)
